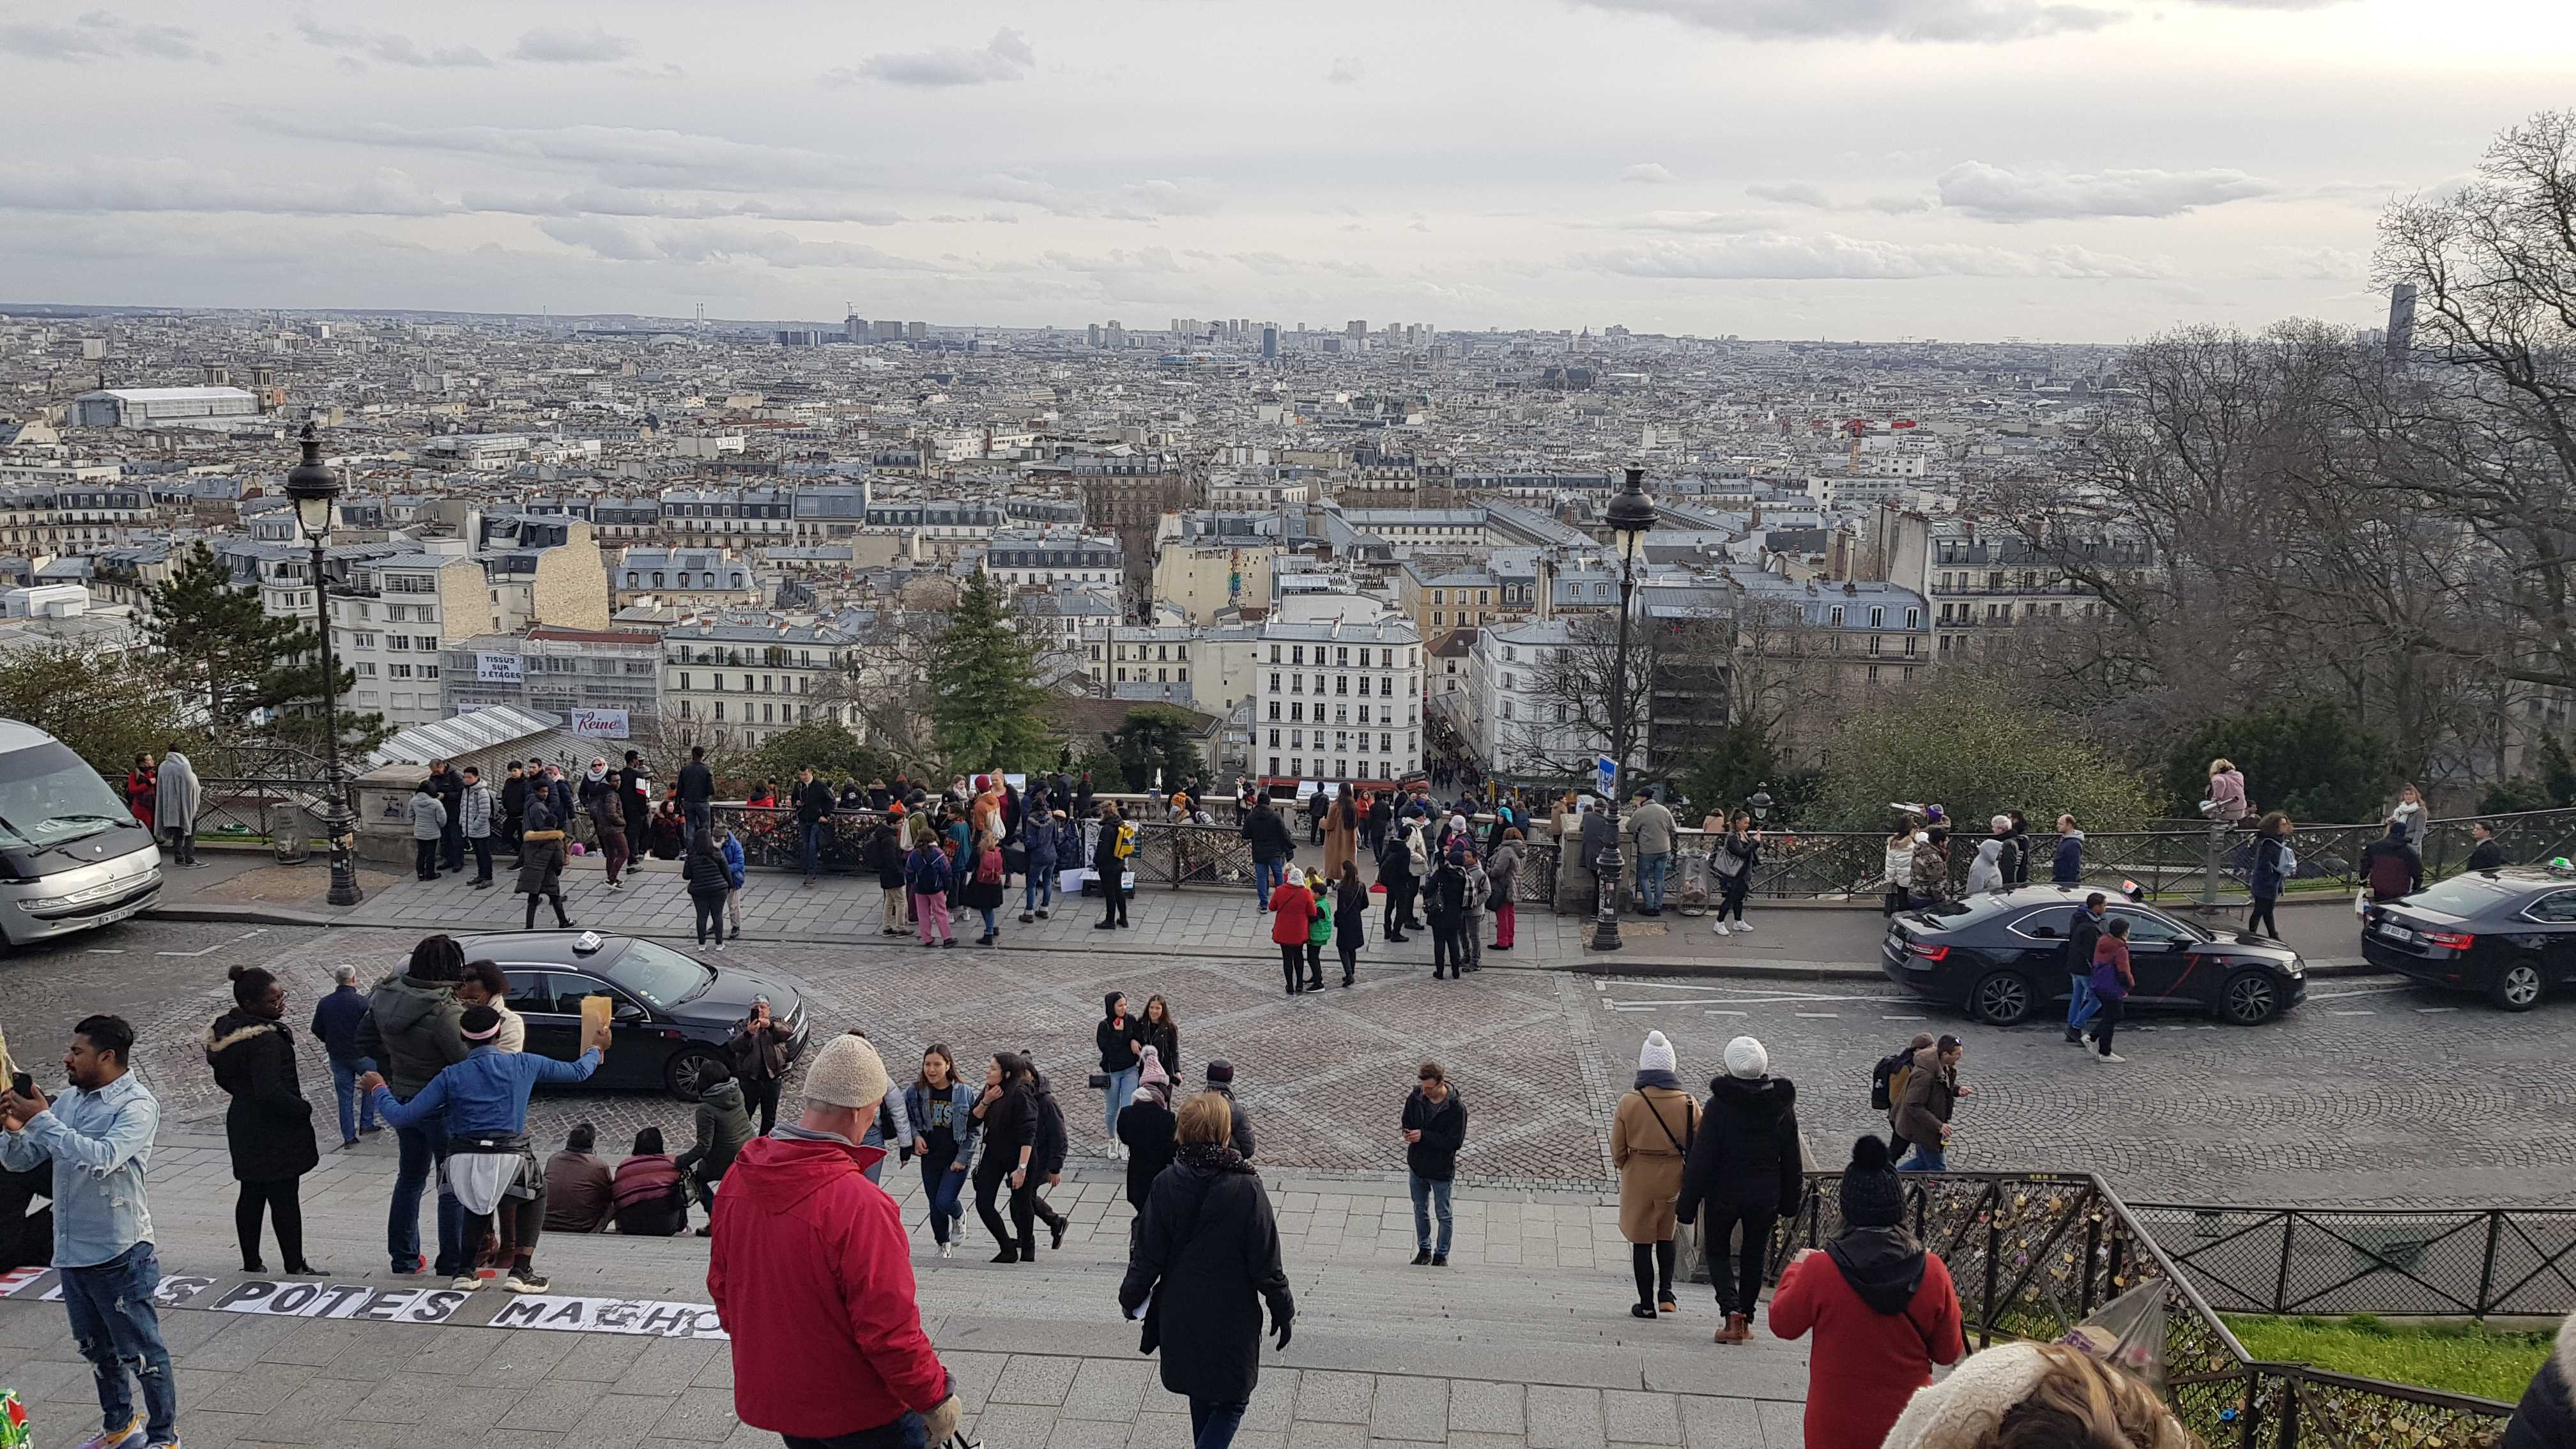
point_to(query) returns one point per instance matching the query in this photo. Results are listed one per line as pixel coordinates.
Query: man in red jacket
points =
(812, 1276)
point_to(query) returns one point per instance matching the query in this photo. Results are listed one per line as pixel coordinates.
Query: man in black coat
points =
(1112, 869)
(449, 787)
(2081, 934)
(1206, 1259)
(697, 796)
(631, 798)
(2546, 1418)
(1747, 1167)
(1048, 1157)
(1271, 844)
(813, 817)
(514, 804)
(1435, 1127)
(1395, 872)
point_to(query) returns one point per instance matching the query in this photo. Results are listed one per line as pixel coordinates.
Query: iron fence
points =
(2034, 1254)
(286, 814)
(2386, 1261)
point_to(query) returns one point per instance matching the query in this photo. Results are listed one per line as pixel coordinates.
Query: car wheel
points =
(2250, 998)
(691, 1071)
(2517, 987)
(2001, 998)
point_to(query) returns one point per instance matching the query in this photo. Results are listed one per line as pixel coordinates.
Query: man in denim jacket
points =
(98, 1135)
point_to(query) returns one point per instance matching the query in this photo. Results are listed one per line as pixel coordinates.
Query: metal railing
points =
(1836, 865)
(2385, 1261)
(2033, 1254)
(286, 814)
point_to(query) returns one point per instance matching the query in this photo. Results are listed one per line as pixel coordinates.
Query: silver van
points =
(73, 855)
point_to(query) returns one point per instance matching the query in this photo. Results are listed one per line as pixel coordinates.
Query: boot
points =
(1739, 1328)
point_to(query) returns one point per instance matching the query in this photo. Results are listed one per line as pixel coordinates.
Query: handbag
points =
(1723, 859)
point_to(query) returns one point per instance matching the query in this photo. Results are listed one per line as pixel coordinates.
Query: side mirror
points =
(629, 1011)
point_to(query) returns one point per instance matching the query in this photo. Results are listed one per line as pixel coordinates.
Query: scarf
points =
(1210, 1157)
(1657, 1077)
(598, 773)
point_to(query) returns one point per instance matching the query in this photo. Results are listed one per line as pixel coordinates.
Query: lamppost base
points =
(344, 888)
(1605, 936)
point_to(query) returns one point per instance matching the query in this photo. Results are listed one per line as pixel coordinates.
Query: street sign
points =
(1606, 777)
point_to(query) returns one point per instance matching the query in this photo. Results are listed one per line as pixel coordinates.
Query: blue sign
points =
(1607, 777)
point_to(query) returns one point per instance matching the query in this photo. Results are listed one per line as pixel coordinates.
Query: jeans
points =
(2260, 921)
(760, 1098)
(2108, 1023)
(810, 847)
(710, 908)
(908, 1432)
(940, 1187)
(482, 855)
(357, 1109)
(1430, 1197)
(695, 815)
(1650, 879)
(992, 927)
(451, 844)
(424, 858)
(1926, 1159)
(1122, 1088)
(1212, 1425)
(1741, 1290)
(1266, 876)
(183, 841)
(423, 1144)
(2081, 1003)
(119, 1332)
(1038, 891)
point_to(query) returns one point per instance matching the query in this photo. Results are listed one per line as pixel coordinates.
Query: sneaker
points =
(1422, 1257)
(1719, 928)
(946, 1250)
(1027, 916)
(525, 1281)
(2108, 1058)
(1440, 1260)
(2073, 1036)
(1744, 927)
(465, 1282)
(950, 941)
(125, 1438)
(1042, 915)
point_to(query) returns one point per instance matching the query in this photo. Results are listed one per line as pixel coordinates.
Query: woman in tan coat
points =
(1341, 831)
(1650, 1139)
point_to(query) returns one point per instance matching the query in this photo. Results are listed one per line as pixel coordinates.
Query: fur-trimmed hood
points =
(237, 1026)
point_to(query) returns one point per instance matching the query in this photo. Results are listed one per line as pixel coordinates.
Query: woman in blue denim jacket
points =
(942, 1112)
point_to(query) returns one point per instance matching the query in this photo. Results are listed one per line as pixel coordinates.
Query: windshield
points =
(2465, 895)
(50, 796)
(662, 976)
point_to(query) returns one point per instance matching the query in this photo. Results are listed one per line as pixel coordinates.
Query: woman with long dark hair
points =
(1007, 1114)
(1350, 919)
(1156, 1029)
(941, 1110)
(708, 881)
(269, 1125)
(1341, 831)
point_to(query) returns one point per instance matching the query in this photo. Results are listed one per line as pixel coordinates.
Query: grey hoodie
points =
(1986, 872)
(411, 1030)
(723, 1127)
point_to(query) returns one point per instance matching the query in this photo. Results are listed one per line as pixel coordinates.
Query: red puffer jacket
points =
(812, 1277)
(1292, 914)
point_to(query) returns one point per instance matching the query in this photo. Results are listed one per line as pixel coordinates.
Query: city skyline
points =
(1881, 169)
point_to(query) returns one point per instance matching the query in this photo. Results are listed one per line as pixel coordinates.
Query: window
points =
(366, 669)
(426, 643)
(1274, 762)
(1874, 641)
(1911, 645)
(398, 671)
(429, 671)
(1913, 618)
(1877, 616)
(1834, 616)
(1274, 680)
(398, 642)
(366, 641)
(1274, 709)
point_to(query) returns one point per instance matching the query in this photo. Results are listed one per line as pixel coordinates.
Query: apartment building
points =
(604, 683)
(1340, 694)
(697, 578)
(1020, 558)
(733, 681)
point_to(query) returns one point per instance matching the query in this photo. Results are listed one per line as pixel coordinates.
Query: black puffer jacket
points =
(1207, 1253)
(269, 1124)
(2547, 1416)
(1146, 1128)
(1746, 1154)
(1051, 1144)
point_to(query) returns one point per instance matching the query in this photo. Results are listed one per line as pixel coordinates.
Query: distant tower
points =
(2401, 320)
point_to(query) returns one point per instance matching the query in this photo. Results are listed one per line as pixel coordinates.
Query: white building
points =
(1046, 557)
(1509, 722)
(736, 681)
(1340, 682)
(164, 407)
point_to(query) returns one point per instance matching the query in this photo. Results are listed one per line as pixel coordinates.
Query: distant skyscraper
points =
(916, 330)
(1355, 329)
(854, 328)
(1270, 342)
(2401, 319)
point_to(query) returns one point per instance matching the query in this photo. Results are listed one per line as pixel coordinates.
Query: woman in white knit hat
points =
(2038, 1394)
(1650, 1138)
(1747, 1169)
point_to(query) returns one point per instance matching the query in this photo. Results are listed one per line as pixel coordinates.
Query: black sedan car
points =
(2001, 956)
(2509, 933)
(672, 1018)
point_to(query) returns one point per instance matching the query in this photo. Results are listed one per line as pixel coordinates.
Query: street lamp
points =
(315, 488)
(1630, 515)
(1761, 803)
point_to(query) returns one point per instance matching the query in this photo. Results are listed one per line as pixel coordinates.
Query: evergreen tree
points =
(1151, 738)
(984, 693)
(218, 647)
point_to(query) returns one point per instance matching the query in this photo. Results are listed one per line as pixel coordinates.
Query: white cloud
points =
(1140, 201)
(1777, 256)
(1347, 70)
(1900, 20)
(1688, 222)
(618, 155)
(1006, 57)
(1651, 173)
(390, 47)
(619, 241)
(102, 35)
(1995, 194)
(143, 186)
(1898, 205)
(1793, 193)
(572, 47)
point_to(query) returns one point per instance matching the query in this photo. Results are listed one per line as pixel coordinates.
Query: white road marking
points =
(1812, 1015)
(2433, 1010)
(1905, 1018)
(1726, 1013)
(2363, 991)
(219, 945)
(2352, 1013)
(107, 950)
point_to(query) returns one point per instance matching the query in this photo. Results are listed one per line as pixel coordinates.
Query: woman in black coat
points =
(1147, 1126)
(1206, 1253)
(269, 1124)
(1350, 919)
(1008, 1114)
(1747, 1166)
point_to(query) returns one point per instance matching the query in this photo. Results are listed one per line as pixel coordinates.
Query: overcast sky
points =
(2083, 170)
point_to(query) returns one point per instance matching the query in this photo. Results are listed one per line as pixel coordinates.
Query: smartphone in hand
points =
(24, 1084)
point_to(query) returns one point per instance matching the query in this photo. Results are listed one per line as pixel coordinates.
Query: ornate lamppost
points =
(315, 488)
(1630, 515)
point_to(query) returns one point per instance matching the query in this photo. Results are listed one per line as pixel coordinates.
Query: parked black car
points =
(2509, 933)
(2001, 957)
(674, 1013)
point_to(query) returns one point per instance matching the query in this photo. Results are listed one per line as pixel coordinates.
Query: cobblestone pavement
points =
(2371, 1093)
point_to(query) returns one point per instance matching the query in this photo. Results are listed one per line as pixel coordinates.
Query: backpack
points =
(1887, 1078)
(2289, 861)
(1126, 845)
(989, 868)
(928, 875)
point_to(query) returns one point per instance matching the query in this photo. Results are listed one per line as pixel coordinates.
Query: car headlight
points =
(94, 893)
(2296, 967)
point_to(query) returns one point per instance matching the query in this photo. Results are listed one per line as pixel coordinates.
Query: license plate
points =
(2395, 932)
